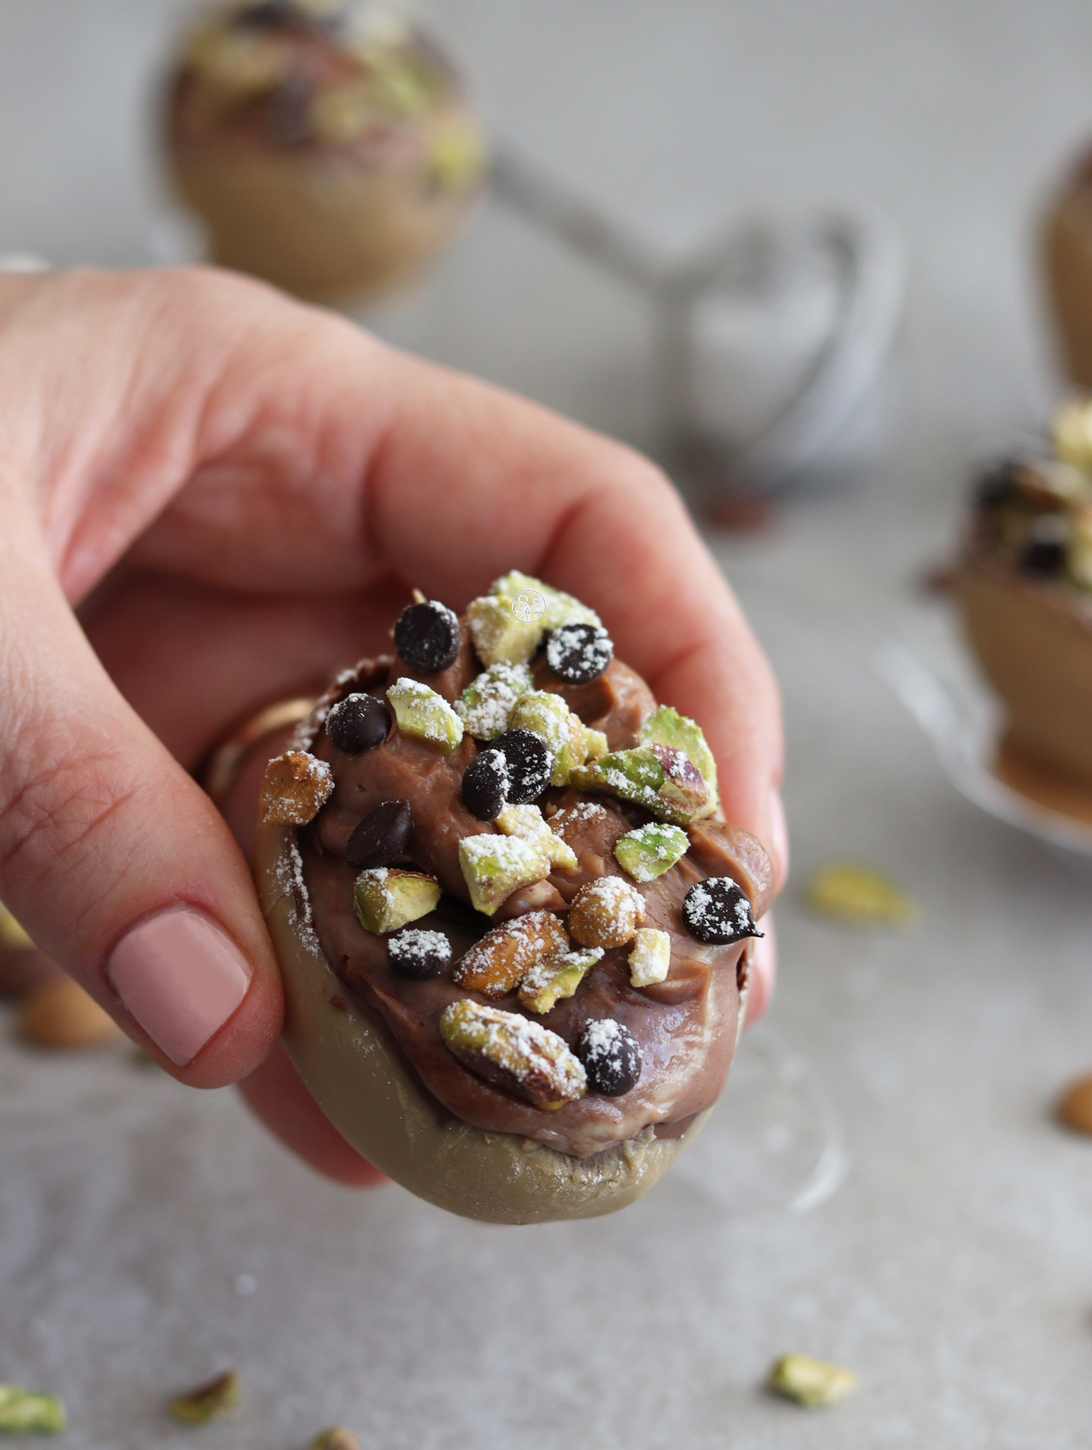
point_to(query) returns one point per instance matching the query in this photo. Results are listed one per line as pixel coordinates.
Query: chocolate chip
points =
(485, 785)
(611, 1057)
(1046, 552)
(357, 723)
(530, 764)
(718, 911)
(419, 954)
(427, 637)
(380, 837)
(579, 653)
(998, 485)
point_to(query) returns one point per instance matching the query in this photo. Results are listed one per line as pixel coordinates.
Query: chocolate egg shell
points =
(362, 1085)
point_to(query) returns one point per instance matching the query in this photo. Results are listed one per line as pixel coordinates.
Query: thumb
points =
(115, 861)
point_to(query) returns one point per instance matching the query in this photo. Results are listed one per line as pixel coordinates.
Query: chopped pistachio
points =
(486, 703)
(811, 1382)
(561, 608)
(595, 743)
(208, 1401)
(458, 155)
(493, 866)
(498, 635)
(657, 777)
(549, 716)
(649, 851)
(556, 977)
(25, 1412)
(422, 712)
(848, 891)
(498, 961)
(650, 959)
(528, 824)
(513, 1052)
(666, 726)
(388, 899)
(1073, 434)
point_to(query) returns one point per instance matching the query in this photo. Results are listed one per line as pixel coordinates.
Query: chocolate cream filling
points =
(685, 1026)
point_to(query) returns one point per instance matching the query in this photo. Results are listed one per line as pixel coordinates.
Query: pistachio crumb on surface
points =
(336, 1438)
(1074, 1107)
(850, 891)
(29, 1412)
(812, 1383)
(207, 1401)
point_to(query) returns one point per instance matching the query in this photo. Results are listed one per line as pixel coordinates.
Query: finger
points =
(115, 862)
(276, 1096)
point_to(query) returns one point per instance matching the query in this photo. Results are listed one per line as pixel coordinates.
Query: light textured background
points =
(149, 1236)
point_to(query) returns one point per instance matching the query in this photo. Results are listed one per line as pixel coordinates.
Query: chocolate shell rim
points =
(378, 1106)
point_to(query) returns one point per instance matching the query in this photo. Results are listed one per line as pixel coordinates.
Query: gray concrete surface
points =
(149, 1236)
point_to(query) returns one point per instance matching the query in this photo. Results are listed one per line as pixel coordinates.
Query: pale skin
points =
(213, 497)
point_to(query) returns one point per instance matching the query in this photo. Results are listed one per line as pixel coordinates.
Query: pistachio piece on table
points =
(606, 913)
(666, 726)
(486, 703)
(208, 1401)
(499, 960)
(852, 892)
(295, 787)
(650, 958)
(529, 824)
(387, 899)
(649, 851)
(336, 1438)
(494, 866)
(514, 1053)
(811, 1382)
(549, 716)
(499, 637)
(61, 1014)
(554, 978)
(27, 1412)
(423, 713)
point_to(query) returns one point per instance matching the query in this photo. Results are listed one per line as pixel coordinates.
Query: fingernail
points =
(778, 830)
(181, 977)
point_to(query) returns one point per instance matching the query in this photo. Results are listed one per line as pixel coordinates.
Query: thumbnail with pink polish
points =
(181, 977)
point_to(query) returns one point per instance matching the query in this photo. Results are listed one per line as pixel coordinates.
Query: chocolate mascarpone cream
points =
(1025, 590)
(324, 151)
(685, 1025)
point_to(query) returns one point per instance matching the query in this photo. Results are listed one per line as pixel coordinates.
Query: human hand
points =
(235, 493)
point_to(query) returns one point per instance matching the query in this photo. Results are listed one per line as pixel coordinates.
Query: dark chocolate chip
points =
(998, 485)
(420, 954)
(579, 653)
(357, 723)
(611, 1057)
(530, 764)
(485, 785)
(718, 911)
(1046, 552)
(380, 837)
(427, 637)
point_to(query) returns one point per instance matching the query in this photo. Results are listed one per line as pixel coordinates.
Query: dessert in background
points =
(1024, 584)
(514, 926)
(1067, 268)
(329, 148)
